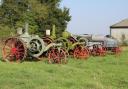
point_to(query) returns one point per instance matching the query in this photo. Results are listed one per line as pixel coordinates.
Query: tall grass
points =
(109, 72)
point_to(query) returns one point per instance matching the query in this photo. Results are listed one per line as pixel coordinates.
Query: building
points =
(120, 31)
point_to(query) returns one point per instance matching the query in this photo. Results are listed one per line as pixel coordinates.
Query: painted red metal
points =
(56, 55)
(13, 50)
(80, 52)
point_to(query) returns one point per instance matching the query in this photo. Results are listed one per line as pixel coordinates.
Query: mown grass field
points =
(107, 72)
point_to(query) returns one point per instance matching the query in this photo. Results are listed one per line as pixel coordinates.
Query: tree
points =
(40, 14)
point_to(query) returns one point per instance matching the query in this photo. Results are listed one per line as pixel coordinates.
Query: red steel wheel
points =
(76, 52)
(116, 50)
(101, 51)
(86, 52)
(53, 56)
(56, 55)
(98, 50)
(14, 50)
(63, 54)
(104, 51)
(94, 52)
(80, 52)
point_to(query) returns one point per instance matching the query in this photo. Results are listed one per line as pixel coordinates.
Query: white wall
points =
(118, 32)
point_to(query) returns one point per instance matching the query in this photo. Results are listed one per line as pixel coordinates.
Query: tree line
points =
(40, 14)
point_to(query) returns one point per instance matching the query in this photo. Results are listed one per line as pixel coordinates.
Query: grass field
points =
(108, 72)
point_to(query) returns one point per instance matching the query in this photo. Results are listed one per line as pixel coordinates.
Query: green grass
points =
(107, 72)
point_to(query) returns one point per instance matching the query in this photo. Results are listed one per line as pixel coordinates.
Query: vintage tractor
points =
(108, 44)
(94, 48)
(75, 48)
(26, 45)
(69, 43)
(112, 46)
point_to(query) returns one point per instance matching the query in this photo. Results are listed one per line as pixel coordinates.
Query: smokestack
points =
(26, 29)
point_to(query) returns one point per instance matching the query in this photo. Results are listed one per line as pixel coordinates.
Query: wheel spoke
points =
(14, 50)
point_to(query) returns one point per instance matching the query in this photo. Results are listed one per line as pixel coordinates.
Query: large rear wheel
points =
(14, 50)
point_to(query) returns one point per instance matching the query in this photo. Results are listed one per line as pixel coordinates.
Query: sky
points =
(95, 16)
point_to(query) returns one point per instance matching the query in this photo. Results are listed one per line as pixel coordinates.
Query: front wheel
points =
(56, 55)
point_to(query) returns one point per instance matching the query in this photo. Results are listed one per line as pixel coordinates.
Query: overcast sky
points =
(95, 16)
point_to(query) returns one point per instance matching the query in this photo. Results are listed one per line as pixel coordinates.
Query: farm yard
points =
(109, 72)
(40, 50)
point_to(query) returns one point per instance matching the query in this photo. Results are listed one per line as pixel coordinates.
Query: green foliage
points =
(6, 31)
(66, 34)
(40, 14)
